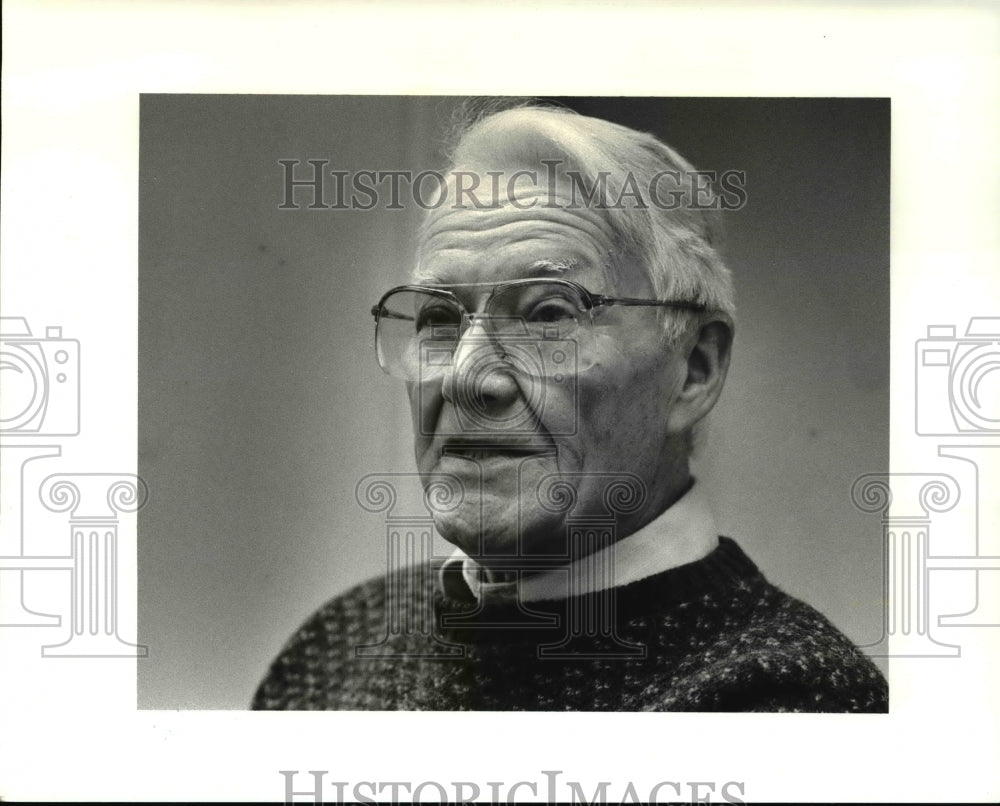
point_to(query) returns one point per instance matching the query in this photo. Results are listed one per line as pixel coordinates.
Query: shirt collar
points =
(683, 533)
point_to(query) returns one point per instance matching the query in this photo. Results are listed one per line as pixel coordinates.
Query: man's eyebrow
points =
(554, 267)
(426, 279)
(543, 267)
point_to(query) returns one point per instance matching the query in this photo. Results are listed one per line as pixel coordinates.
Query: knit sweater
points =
(712, 635)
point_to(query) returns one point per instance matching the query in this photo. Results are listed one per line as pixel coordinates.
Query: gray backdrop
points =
(261, 406)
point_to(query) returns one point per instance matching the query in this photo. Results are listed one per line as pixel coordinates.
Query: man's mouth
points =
(484, 451)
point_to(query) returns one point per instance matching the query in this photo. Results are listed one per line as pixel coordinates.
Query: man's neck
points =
(669, 494)
(683, 533)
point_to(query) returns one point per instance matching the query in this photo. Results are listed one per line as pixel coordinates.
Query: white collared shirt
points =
(683, 533)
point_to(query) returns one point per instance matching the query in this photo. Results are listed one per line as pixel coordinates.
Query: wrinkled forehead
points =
(504, 222)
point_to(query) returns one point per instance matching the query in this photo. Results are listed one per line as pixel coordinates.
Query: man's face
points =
(608, 417)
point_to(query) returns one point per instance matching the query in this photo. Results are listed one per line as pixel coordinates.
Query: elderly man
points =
(567, 326)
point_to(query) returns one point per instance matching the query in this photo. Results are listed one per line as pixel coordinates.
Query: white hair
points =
(677, 248)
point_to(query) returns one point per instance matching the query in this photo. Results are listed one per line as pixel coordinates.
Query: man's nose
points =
(479, 376)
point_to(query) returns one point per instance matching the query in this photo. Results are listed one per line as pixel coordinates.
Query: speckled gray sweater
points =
(713, 635)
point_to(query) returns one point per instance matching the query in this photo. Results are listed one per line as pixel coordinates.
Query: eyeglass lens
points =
(531, 326)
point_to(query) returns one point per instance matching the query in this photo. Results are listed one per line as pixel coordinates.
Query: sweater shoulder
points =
(405, 588)
(784, 655)
(324, 644)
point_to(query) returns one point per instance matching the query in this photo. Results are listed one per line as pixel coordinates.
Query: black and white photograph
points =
(549, 402)
(632, 351)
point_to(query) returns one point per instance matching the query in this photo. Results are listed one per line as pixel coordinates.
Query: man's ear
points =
(707, 352)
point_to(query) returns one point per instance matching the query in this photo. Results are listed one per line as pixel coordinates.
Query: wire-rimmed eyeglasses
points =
(532, 323)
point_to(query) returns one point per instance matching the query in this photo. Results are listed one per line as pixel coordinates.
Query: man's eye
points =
(435, 317)
(552, 310)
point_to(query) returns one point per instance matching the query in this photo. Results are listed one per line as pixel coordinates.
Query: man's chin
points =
(485, 528)
(498, 513)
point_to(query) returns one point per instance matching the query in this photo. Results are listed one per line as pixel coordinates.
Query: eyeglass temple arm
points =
(697, 307)
(384, 313)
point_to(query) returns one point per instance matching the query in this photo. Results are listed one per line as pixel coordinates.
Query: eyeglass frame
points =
(591, 300)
